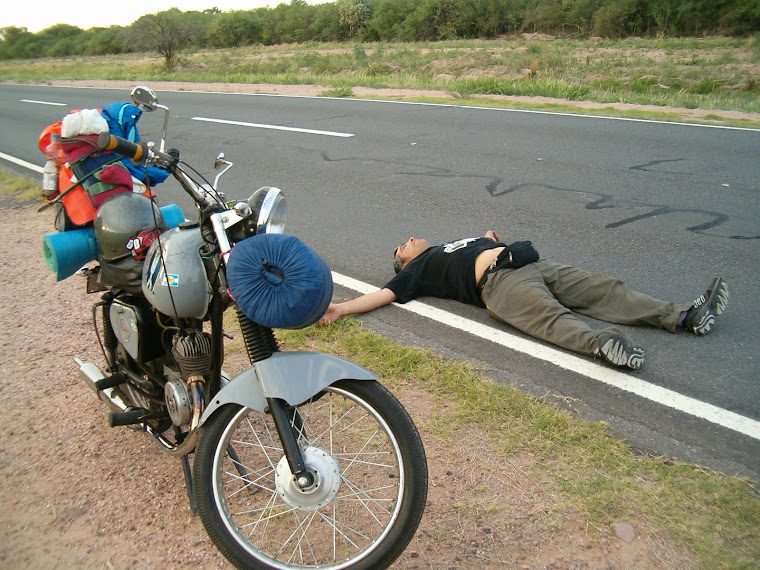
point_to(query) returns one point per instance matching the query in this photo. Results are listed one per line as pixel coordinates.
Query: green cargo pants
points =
(539, 298)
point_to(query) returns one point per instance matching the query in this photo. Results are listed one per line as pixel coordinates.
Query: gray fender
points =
(292, 376)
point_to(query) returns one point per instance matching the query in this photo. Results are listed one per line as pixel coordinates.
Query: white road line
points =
(43, 102)
(578, 115)
(20, 162)
(500, 109)
(663, 396)
(274, 127)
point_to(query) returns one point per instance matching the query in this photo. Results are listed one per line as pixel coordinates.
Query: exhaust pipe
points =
(91, 374)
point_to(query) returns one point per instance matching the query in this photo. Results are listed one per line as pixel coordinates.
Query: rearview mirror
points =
(145, 98)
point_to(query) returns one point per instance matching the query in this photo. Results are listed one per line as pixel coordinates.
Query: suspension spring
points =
(260, 342)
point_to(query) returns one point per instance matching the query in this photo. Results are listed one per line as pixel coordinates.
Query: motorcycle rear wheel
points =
(370, 470)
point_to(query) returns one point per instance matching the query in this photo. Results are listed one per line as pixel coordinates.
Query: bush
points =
(235, 29)
(361, 56)
(614, 20)
(704, 87)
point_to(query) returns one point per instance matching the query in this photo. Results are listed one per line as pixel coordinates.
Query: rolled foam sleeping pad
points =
(66, 252)
(173, 215)
(278, 281)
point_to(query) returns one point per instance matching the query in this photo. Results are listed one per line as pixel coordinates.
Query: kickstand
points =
(189, 483)
(241, 469)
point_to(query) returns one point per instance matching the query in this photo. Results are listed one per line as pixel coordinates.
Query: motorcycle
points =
(302, 460)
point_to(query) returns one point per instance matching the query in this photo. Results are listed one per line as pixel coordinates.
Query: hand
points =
(332, 314)
(492, 235)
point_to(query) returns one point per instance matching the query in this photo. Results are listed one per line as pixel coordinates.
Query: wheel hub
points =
(325, 471)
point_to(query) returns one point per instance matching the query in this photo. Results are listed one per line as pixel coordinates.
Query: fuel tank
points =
(174, 277)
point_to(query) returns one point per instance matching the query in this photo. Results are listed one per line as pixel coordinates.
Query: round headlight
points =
(268, 205)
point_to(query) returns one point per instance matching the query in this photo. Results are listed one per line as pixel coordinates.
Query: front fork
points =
(279, 410)
(260, 343)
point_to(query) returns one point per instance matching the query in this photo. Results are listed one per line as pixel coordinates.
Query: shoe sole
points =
(705, 324)
(616, 352)
(715, 303)
(718, 298)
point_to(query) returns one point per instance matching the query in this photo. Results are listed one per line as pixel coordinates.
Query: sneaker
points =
(700, 318)
(620, 351)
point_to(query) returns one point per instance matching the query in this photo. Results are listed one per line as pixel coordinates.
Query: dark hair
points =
(398, 263)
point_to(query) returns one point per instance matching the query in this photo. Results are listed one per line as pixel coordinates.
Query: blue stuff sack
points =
(122, 121)
(279, 282)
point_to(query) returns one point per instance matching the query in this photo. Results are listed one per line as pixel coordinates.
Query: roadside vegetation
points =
(692, 54)
(19, 188)
(170, 31)
(692, 73)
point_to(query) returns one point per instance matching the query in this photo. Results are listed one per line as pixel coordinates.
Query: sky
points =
(41, 14)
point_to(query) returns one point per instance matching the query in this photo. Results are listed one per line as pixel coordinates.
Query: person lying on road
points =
(535, 295)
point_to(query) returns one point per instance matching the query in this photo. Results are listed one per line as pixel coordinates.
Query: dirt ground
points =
(75, 493)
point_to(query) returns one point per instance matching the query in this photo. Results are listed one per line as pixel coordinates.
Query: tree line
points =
(171, 31)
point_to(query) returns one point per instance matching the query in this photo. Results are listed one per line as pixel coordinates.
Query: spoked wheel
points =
(369, 490)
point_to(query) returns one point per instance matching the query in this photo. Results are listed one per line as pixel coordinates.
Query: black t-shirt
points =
(446, 271)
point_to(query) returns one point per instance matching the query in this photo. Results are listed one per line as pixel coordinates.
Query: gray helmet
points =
(121, 218)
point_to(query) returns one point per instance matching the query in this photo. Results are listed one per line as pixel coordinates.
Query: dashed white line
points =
(43, 102)
(663, 396)
(274, 127)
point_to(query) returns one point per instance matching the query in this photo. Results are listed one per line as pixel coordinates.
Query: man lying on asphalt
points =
(536, 296)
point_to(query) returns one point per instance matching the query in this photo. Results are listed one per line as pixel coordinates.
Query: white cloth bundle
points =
(84, 122)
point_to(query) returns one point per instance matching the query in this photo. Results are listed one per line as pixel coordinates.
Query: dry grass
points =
(706, 73)
(20, 189)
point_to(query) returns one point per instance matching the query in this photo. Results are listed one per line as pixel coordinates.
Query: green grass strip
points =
(20, 188)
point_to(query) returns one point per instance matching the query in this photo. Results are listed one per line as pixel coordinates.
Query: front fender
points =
(291, 376)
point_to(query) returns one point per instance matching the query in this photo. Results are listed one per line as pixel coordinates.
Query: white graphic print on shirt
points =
(456, 245)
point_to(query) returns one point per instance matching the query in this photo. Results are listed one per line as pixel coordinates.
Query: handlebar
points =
(138, 152)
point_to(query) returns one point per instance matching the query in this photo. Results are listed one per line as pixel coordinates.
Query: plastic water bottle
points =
(49, 178)
(50, 172)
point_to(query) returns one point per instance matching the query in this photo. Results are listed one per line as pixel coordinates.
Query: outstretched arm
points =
(363, 304)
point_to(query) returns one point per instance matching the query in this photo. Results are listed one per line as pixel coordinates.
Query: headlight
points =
(268, 205)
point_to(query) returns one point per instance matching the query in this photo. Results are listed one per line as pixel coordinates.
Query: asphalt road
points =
(665, 207)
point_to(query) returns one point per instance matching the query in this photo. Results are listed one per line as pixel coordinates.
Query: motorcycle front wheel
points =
(369, 491)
